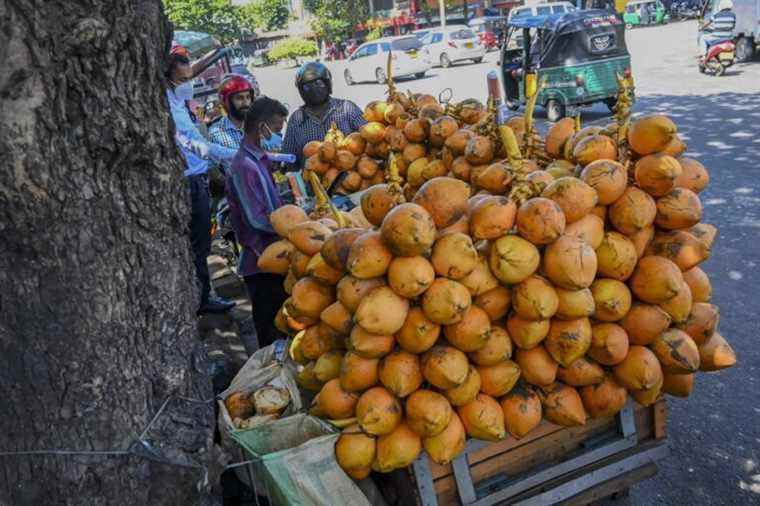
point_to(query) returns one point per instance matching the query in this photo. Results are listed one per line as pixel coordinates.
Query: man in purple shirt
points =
(252, 196)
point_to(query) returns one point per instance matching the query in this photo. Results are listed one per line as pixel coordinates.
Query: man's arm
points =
(204, 61)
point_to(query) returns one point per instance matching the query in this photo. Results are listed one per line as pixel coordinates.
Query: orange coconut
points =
(540, 220)
(633, 211)
(570, 263)
(537, 366)
(657, 174)
(418, 334)
(581, 372)
(400, 373)
(575, 198)
(694, 175)
(608, 178)
(609, 343)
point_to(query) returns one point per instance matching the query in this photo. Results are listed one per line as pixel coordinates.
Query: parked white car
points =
(452, 44)
(369, 61)
(544, 9)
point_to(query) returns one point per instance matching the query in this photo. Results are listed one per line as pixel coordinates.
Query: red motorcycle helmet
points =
(231, 85)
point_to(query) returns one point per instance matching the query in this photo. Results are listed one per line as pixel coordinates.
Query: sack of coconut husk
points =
(262, 391)
(295, 464)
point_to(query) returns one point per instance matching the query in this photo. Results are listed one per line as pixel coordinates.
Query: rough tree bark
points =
(96, 282)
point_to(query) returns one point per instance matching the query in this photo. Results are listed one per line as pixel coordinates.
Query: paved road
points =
(715, 435)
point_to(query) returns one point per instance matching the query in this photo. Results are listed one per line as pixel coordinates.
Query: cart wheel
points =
(348, 77)
(419, 75)
(555, 110)
(380, 76)
(477, 60)
(744, 50)
(445, 60)
(702, 69)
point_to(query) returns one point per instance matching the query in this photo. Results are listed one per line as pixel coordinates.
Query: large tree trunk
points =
(97, 290)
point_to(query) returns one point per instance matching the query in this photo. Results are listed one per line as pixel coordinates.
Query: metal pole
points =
(442, 10)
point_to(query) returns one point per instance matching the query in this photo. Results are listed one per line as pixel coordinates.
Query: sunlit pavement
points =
(715, 435)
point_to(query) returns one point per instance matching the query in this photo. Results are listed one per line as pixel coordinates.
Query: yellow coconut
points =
(467, 391)
(444, 367)
(382, 311)
(285, 217)
(355, 452)
(537, 366)
(471, 333)
(612, 299)
(370, 345)
(276, 257)
(373, 132)
(418, 334)
(534, 298)
(368, 257)
(705, 233)
(327, 366)
(318, 269)
(448, 444)
(679, 307)
(337, 317)
(685, 250)
(446, 301)
(527, 334)
(572, 304)
(397, 449)
(400, 373)
(616, 256)
(568, 340)
(483, 418)
(609, 343)
(481, 279)
(512, 259)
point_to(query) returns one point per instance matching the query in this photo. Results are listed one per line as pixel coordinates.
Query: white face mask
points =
(184, 91)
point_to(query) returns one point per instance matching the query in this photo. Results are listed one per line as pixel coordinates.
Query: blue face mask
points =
(184, 91)
(274, 143)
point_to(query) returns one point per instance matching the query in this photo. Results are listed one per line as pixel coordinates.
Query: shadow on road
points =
(714, 435)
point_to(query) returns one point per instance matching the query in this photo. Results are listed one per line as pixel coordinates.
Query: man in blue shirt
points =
(719, 27)
(198, 152)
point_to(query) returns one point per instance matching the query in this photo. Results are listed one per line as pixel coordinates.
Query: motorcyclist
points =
(312, 121)
(718, 27)
(236, 95)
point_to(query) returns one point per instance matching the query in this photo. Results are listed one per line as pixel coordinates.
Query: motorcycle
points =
(720, 55)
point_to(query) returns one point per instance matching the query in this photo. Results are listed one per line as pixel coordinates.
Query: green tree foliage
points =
(216, 17)
(266, 14)
(312, 5)
(336, 20)
(290, 49)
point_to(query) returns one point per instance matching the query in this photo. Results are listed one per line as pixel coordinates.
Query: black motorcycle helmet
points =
(313, 71)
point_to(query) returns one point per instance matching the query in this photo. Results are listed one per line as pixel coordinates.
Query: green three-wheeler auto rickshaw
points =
(576, 57)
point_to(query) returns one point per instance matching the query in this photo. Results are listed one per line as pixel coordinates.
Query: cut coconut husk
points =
(716, 354)
(522, 410)
(355, 452)
(699, 284)
(612, 299)
(677, 352)
(527, 334)
(318, 269)
(593, 148)
(239, 405)
(497, 380)
(702, 322)
(604, 399)
(568, 340)
(570, 263)
(483, 418)
(574, 197)
(370, 345)
(512, 259)
(401, 373)
(644, 323)
(410, 276)
(382, 311)
(632, 212)
(481, 279)
(497, 349)
(448, 444)
(656, 279)
(378, 411)
(376, 201)
(694, 175)
(534, 298)
(540, 220)
(640, 370)
(471, 333)
(445, 198)
(616, 256)
(562, 405)
(609, 343)
(397, 449)
(358, 373)
(537, 366)
(608, 177)
(581, 372)
(275, 258)
(335, 402)
(678, 209)
(310, 298)
(572, 304)
(492, 217)
(418, 334)
(427, 413)
(337, 317)
(678, 385)
(557, 135)
(327, 366)
(351, 290)
(657, 174)
(408, 230)
(454, 256)
(590, 229)
(650, 134)
(444, 367)
(446, 301)
(309, 236)
(368, 256)
(495, 302)
(467, 391)
(336, 248)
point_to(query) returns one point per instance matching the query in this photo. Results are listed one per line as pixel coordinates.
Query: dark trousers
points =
(267, 295)
(200, 231)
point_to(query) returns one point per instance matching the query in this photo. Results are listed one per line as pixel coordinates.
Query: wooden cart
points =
(551, 465)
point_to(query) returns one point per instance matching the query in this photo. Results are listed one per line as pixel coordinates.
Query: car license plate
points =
(468, 45)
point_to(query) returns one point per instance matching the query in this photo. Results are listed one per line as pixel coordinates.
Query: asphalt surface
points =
(714, 436)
